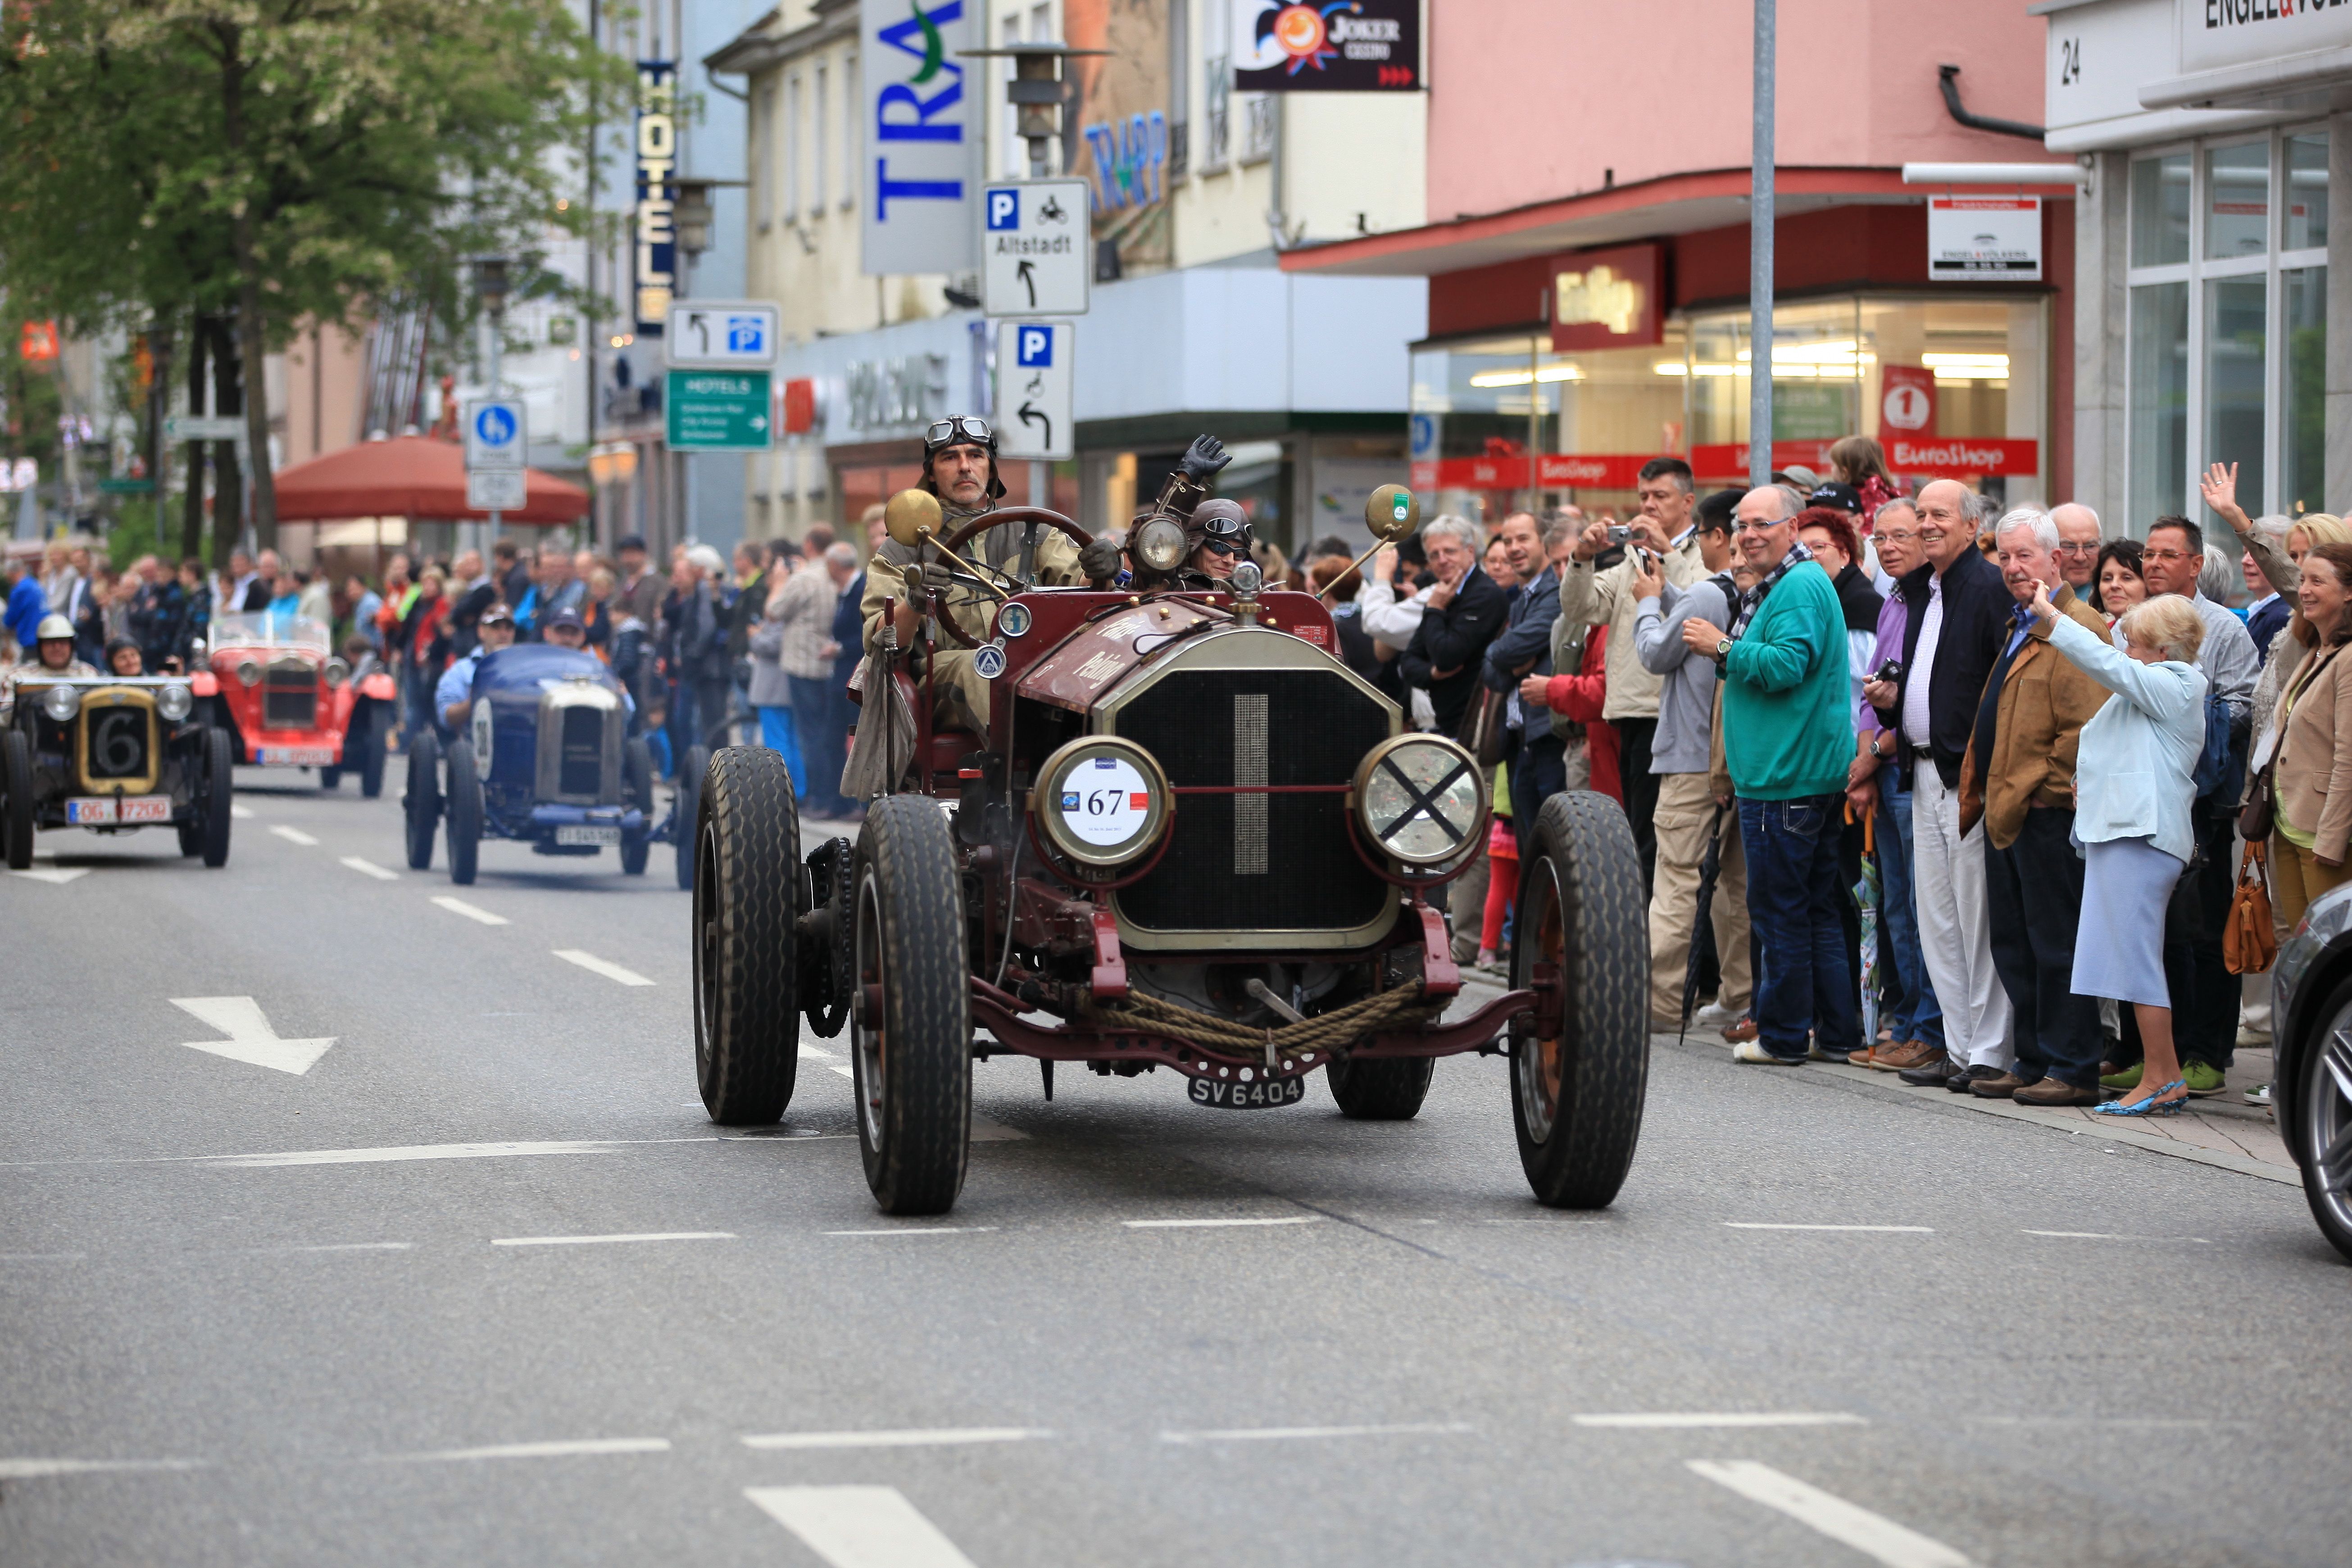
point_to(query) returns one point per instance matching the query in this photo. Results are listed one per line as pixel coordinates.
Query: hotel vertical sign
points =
(654, 266)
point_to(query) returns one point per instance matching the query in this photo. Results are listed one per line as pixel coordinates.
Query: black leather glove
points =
(937, 578)
(1099, 560)
(1203, 459)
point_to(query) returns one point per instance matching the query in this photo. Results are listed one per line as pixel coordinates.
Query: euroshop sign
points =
(921, 137)
(653, 257)
(1912, 457)
(1607, 300)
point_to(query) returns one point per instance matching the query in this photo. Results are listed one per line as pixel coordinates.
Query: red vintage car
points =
(276, 685)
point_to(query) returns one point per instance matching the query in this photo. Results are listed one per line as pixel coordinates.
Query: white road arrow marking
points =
(250, 1038)
(859, 1527)
(58, 875)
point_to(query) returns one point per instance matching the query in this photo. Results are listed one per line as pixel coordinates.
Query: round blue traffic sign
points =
(495, 426)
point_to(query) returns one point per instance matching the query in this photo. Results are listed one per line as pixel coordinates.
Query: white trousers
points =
(1948, 880)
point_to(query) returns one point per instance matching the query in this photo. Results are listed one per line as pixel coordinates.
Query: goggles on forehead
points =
(1221, 527)
(961, 428)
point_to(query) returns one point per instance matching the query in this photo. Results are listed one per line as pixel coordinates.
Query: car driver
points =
(54, 641)
(452, 697)
(959, 469)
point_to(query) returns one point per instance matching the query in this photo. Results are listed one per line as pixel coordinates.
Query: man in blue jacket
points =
(1523, 654)
(25, 604)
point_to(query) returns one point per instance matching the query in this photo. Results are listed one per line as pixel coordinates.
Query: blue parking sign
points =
(747, 334)
(1003, 209)
(1034, 346)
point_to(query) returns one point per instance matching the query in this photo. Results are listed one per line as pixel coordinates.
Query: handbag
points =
(2250, 940)
(1485, 727)
(2261, 812)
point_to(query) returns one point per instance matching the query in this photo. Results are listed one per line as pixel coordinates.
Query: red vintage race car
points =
(275, 682)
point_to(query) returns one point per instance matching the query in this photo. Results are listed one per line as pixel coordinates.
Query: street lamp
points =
(1037, 91)
(491, 284)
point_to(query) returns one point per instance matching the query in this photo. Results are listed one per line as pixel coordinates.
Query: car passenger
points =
(122, 658)
(453, 698)
(1223, 531)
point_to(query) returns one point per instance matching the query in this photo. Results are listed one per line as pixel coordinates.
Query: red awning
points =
(412, 477)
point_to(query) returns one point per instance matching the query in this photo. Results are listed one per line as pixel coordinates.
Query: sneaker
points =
(1753, 1050)
(2252, 1038)
(2203, 1078)
(1715, 1015)
(1741, 1031)
(2127, 1081)
(2259, 1096)
(1999, 1086)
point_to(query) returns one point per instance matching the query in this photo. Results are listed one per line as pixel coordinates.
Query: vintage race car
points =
(289, 701)
(545, 758)
(112, 754)
(1192, 839)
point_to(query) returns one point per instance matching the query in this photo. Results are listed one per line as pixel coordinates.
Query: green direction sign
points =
(718, 411)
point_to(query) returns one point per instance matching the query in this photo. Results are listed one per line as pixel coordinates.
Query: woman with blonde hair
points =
(2134, 780)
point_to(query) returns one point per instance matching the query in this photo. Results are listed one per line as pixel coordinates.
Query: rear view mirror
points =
(1392, 513)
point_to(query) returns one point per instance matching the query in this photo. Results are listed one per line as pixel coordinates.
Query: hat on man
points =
(498, 615)
(570, 618)
(1843, 497)
(630, 541)
(54, 628)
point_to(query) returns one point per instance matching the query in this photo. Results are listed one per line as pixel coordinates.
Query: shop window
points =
(2306, 192)
(2303, 465)
(2159, 204)
(2160, 399)
(2237, 202)
(2234, 358)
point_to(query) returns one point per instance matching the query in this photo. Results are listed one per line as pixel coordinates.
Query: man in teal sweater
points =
(1788, 736)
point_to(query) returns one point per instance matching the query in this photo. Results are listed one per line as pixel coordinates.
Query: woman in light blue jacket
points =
(2133, 785)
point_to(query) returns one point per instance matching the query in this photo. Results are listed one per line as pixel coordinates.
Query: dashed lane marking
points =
(578, 1448)
(368, 868)
(240, 814)
(471, 911)
(1214, 1224)
(56, 875)
(29, 1470)
(1873, 1535)
(918, 1437)
(1759, 1225)
(1662, 1420)
(2105, 1236)
(859, 1527)
(601, 1240)
(1295, 1434)
(295, 836)
(437, 1152)
(919, 1231)
(595, 966)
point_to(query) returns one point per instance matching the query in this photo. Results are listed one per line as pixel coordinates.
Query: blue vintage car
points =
(546, 758)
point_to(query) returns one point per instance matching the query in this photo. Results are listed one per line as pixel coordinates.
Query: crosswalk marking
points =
(595, 966)
(1873, 1535)
(859, 1527)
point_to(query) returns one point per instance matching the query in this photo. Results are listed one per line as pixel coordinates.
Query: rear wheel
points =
(220, 785)
(1577, 1095)
(16, 779)
(368, 736)
(2323, 1107)
(746, 899)
(465, 813)
(686, 809)
(423, 800)
(637, 783)
(1389, 1090)
(910, 1015)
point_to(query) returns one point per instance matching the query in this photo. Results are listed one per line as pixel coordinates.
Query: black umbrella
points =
(1710, 867)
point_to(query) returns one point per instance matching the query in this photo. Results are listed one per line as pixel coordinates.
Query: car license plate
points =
(90, 813)
(587, 835)
(294, 756)
(146, 809)
(1250, 1096)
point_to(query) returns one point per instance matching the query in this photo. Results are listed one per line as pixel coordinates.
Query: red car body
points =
(289, 700)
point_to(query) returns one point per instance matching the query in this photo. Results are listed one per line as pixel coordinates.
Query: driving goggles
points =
(962, 428)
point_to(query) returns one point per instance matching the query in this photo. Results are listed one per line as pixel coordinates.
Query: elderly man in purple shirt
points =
(1911, 1014)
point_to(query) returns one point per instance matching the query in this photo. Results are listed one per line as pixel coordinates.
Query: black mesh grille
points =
(289, 698)
(118, 742)
(582, 768)
(1265, 861)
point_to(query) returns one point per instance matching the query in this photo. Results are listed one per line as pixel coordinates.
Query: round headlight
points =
(61, 703)
(1102, 801)
(337, 672)
(249, 672)
(1420, 799)
(1246, 580)
(1158, 545)
(174, 702)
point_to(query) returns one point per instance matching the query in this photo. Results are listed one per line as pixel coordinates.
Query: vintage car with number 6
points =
(545, 758)
(1188, 838)
(287, 700)
(112, 754)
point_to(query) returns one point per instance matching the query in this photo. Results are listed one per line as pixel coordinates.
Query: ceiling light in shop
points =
(1968, 367)
(1519, 378)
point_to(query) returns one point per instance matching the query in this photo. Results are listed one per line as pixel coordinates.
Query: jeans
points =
(1640, 787)
(777, 734)
(1912, 1012)
(2033, 893)
(1793, 894)
(822, 717)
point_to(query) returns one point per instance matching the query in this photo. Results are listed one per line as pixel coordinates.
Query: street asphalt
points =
(483, 1285)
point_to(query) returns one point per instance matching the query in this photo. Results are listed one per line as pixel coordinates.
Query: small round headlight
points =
(249, 672)
(1102, 801)
(337, 672)
(61, 702)
(1420, 799)
(174, 702)
(1246, 580)
(1158, 545)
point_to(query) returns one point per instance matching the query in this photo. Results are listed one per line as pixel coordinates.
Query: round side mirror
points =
(1392, 513)
(911, 511)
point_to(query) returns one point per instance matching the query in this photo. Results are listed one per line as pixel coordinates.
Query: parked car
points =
(112, 754)
(2311, 1076)
(287, 700)
(545, 758)
(1191, 838)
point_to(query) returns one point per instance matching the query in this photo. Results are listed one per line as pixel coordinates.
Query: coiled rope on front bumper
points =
(1400, 1007)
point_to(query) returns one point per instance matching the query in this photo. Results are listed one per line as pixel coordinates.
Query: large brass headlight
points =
(61, 703)
(1102, 801)
(1420, 799)
(1158, 545)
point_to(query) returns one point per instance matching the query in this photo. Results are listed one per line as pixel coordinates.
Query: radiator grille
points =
(1245, 862)
(581, 767)
(118, 742)
(289, 698)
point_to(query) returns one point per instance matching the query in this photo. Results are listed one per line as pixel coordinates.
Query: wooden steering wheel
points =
(1002, 516)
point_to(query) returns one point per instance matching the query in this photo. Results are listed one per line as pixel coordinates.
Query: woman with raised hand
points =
(2312, 722)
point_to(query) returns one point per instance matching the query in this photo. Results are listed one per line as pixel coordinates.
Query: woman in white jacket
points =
(2133, 785)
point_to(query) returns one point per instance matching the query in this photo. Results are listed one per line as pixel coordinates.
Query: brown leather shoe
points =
(1744, 1029)
(1861, 1058)
(2001, 1086)
(1904, 1056)
(2055, 1092)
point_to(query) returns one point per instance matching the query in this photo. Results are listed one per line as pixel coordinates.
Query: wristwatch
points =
(1722, 650)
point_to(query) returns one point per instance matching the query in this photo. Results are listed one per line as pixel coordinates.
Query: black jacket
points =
(1977, 606)
(1454, 639)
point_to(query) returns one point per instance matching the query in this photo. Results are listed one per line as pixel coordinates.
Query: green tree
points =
(267, 163)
